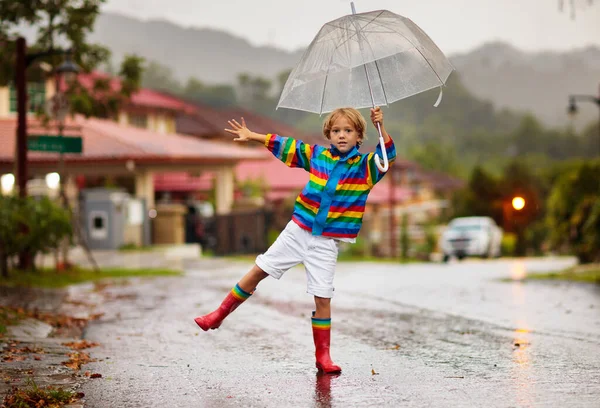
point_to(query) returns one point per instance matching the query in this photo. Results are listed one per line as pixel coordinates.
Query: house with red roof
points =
(127, 148)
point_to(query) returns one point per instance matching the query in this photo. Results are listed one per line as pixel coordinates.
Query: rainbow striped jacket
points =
(333, 201)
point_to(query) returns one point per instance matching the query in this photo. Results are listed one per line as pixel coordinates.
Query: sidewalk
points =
(34, 352)
(46, 347)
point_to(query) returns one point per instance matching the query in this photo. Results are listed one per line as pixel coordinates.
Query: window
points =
(140, 121)
(36, 96)
(98, 223)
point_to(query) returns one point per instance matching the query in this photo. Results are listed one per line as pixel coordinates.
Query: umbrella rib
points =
(416, 48)
(379, 75)
(323, 97)
(381, 82)
(327, 76)
(357, 31)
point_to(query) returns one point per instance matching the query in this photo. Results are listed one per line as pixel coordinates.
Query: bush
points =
(31, 226)
(535, 237)
(508, 244)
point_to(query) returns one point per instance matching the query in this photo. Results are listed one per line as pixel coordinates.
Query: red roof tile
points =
(144, 97)
(108, 141)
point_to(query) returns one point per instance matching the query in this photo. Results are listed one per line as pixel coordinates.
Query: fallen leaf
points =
(37, 358)
(373, 372)
(76, 360)
(96, 375)
(80, 345)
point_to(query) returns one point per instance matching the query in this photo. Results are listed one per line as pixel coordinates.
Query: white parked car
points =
(471, 236)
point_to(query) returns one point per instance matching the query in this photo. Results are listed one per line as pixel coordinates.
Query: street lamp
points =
(23, 60)
(572, 109)
(7, 182)
(68, 69)
(518, 203)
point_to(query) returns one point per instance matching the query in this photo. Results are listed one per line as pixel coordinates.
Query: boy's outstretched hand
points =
(241, 131)
(377, 116)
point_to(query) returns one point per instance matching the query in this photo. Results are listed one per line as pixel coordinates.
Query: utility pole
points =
(21, 140)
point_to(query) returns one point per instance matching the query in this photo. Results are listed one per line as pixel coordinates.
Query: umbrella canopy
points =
(365, 60)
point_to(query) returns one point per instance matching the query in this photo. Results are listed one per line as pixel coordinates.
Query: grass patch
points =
(579, 273)
(34, 396)
(135, 248)
(51, 278)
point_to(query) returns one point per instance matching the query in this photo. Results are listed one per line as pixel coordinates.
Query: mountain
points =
(210, 55)
(536, 82)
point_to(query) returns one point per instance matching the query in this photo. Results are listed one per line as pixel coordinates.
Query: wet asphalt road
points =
(419, 335)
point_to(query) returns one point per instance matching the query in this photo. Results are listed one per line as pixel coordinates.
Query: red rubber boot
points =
(214, 319)
(322, 337)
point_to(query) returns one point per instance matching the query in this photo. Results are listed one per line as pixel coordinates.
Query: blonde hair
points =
(355, 118)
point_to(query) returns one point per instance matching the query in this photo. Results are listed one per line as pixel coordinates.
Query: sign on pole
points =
(48, 143)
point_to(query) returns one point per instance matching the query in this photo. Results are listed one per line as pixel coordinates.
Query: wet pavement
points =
(417, 335)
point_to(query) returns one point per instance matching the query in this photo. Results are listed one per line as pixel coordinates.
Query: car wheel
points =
(446, 258)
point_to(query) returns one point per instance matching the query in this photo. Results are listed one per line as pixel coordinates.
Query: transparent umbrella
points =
(365, 60)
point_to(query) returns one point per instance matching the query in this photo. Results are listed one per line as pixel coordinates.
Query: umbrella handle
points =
(386, 164)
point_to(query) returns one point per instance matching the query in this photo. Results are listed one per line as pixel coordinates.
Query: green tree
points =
(439, 156)
(253, 93)
(70, 20)
(482, 196)
(160, 77)
(573, 216)
(104, 99)
(213, 95)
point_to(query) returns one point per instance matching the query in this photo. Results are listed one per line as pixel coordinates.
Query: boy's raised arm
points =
(374, 174)
(243, 133)
(294, 153)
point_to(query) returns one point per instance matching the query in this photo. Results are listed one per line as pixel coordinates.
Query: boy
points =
(328, 210)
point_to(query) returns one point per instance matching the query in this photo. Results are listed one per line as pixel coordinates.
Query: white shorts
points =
(296, 245)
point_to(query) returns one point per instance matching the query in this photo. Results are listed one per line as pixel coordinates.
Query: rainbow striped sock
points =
(239, 293)
(321, 324)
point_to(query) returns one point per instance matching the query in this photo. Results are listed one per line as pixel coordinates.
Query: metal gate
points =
(242, 232)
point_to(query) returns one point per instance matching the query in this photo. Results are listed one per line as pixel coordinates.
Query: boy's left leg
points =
(321, 327)
(320, 270)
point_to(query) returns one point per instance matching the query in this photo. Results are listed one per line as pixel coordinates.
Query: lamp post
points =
(24, 60)
(572, 109)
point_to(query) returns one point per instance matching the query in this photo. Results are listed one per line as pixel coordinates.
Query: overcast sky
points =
(455, 25)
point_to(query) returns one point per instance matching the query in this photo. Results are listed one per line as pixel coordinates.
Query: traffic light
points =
(518, 203)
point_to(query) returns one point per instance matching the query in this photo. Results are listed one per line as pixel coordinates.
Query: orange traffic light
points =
(518, 203)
